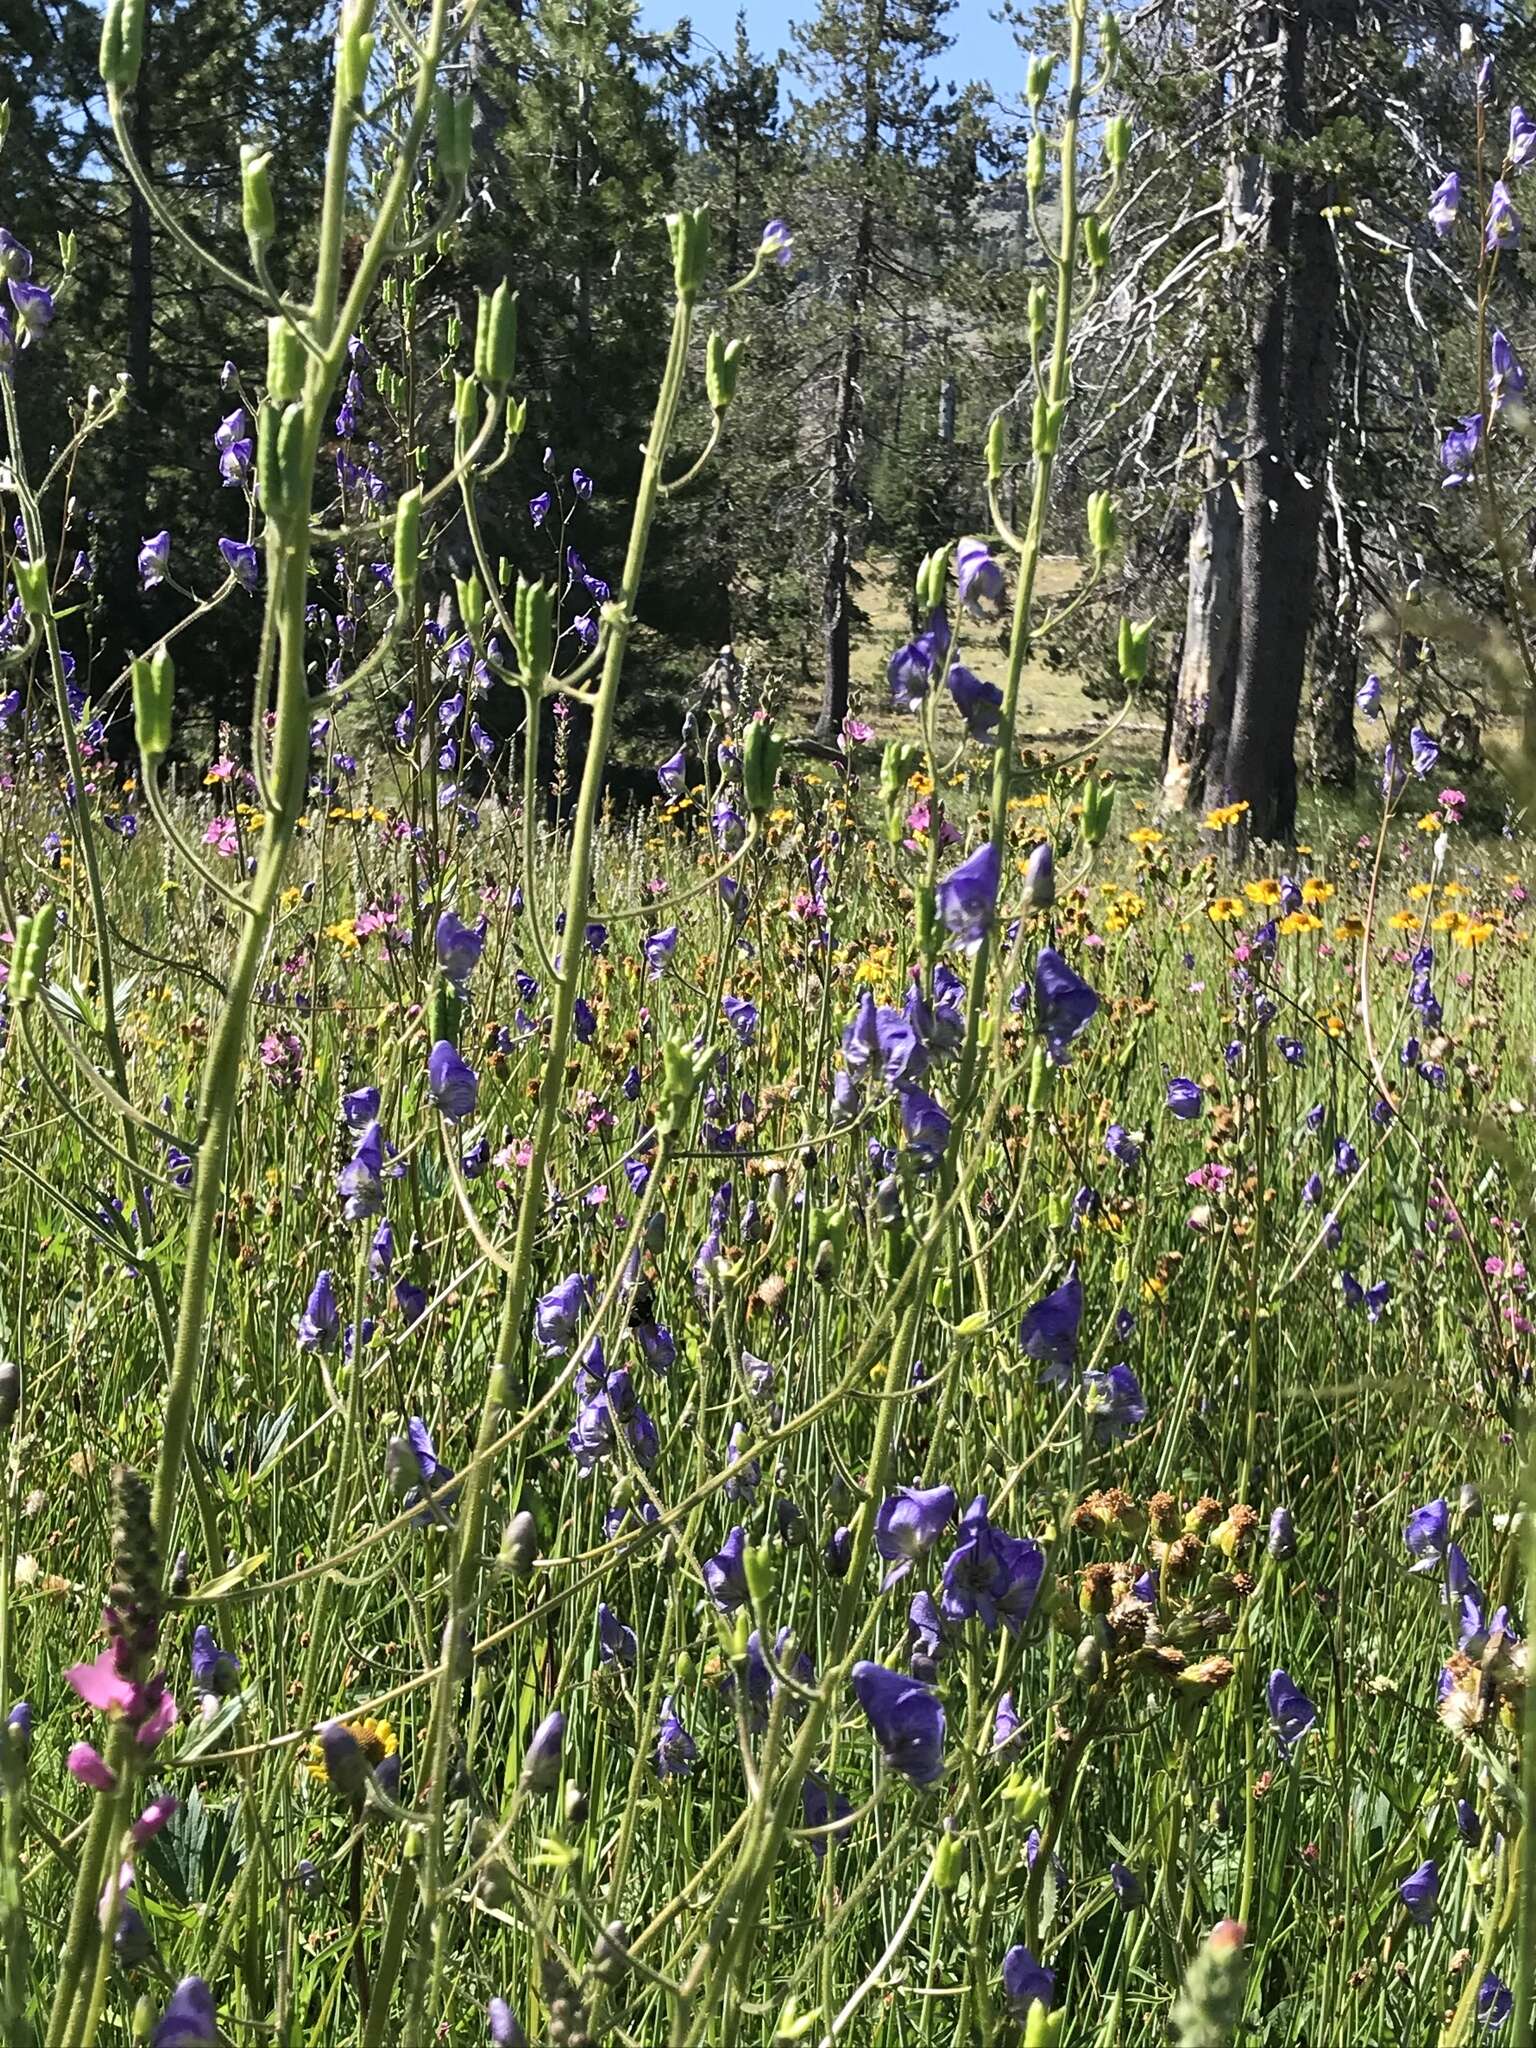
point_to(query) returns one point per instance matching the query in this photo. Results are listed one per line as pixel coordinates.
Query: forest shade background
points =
(1278, 345)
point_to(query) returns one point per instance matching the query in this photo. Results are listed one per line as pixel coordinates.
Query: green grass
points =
(1262, 1386)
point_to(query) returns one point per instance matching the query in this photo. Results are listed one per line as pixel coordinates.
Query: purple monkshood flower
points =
(231, 428)
(581, 484)
(1026, 1982)
(1114, 1403)
(213, 1670)
(1040, 877)
(1458, 451)
(1368, 697)
(1427, 1534)
(1469, 1823)
(1426, 751)
(541, 1759)
(909, 1523)
(538, 508)
(778, 244)
(1185, 1098)
(887, 1037)
(417, 1473)
(1048, 1333)
(240, 560)
(359, 1107)
(658, 950)
(1506, 379)
(1443, 202)
(360, 1184)
(1005, 1724)
(910, 669)
(615, 1639)
(1119, 1144)
(1501, 231)
(673, 774)
(34, 309)
(741, 1016)
(979, 577)
(967, 896)
(991, 1576)
(1064, 1003)
(1495, 2001)
(907, 1720)
(15, 260)
(453, 1084)
(235, 462)
(319, 1326)
(828, 1812)
(676, 1750)
(459, 945)
(979, 704)
(154, 560)
(189, 2020)
(924, 1124)
(1420, 1893)
(725, 1574)
(1291, 1713)
(1129, 1890)
(1522, 139)
(557, 1316)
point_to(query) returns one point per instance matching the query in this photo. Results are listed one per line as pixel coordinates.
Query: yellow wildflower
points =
(1223, 816)
(1224, 909)
(1265, 892)
(1300, 921)
(1314, 891)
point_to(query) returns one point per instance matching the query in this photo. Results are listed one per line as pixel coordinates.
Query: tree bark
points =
(1336, 657)
(1202, 697)
(848, 410)
(1288, 438)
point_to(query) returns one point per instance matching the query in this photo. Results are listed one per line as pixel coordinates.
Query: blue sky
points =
(982, 48)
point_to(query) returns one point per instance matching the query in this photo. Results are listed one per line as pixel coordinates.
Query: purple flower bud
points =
(541, 1760)
(189, 2020)
(213, 1670)
(1420, 1893)
(504, 2029)
(453, 1084)
(320, 1324)
(777, 244)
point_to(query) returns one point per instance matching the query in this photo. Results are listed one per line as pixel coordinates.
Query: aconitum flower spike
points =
(909, 1523)
(907, 1720)
(1026, 1981)
(453, 1084)
(979, 703)
(1443, 202)
(1064, 1003)
(979, 577)
(213, 1669)
(1502, 229)
(1114, 1403)
(725, 1574)
(34, 310)
(189, 2019)
(967, 896)
(154, 560)
(1427, 1534)
(1291, 1713)
(319, 1327)
(1048, 1333)
(541, 1759)
(241, 562)
(1420, 1892)
(458, 945)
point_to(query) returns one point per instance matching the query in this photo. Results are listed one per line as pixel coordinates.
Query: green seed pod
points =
(1109, 41)
(1095, 241)
(1038, 81)
(1134, 650)
(1098, 804)
(69, 250)
(682, 1069)
(689, 232)
(452, 111)
(29, 952)
(533, 618)
(1042, 2027)
(354, 51)
(932, 581)
(470, 592)
(1039, 310)
(1117, 141)
(1049, 415)
(1034, 162)
(948, 1860)
(285, 362)
(122, 44)
(760, 1571)
(258, 210)
(722, 364)
(1103, 523)
(762, 750)
(408, 554)
(154, 687)
(496, 338)
(1042, 1081)
(997, 448)
(466, 406)
(32, 587)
